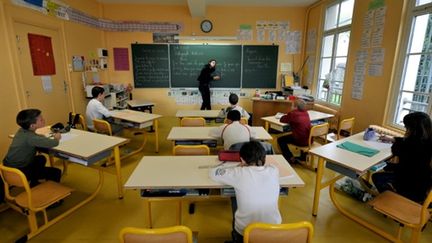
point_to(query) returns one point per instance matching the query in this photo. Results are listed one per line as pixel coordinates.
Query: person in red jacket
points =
(300, 124)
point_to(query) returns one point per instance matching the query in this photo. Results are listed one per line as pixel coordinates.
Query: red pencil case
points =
(228, 155)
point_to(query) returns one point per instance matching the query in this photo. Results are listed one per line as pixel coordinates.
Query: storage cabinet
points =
(117, 100)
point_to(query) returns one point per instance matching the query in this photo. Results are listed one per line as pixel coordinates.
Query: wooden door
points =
(49, 93)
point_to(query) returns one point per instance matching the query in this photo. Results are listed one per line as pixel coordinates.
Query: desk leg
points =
(118, 171)
(156, 128)
(318, 186)
(266, 126)
(357, 219)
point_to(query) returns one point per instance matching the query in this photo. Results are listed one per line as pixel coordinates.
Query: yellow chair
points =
(317, 132)
(243, 121)
(177, 234)
(102, 126)
(406, 212)
(333, 121)
(300, 232)
(192, 122)
(81, 121)
(191, 150)
(344, 125)
(32, 200)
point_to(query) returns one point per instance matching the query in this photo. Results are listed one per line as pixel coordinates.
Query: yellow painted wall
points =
(371, 109)
(76, 40)
(226, 21)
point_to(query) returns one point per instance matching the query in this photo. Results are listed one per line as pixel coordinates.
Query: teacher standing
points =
(208, 74)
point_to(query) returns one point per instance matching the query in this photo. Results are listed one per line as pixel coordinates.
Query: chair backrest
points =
(243, 121)
(192, 122)
(333, 122)
(425, 208)
(178, 234)
(191, 150)
(102, 126)
(300, 232)
(81, 121)
(346, 125)
(320, 131)
(14, 177)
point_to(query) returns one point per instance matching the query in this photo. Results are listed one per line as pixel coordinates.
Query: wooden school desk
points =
(86, 148)
(273, 122)
(200, 134)
(189, 172)
(350, 164)
(139, 120)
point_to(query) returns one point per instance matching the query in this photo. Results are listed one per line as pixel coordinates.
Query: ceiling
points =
(197, 8)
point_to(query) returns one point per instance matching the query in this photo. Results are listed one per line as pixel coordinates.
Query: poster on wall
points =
(121, 59)
(42, 55)
(78, 63)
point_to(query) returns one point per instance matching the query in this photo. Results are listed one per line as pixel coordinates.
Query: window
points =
(334, 51)
(414, 86)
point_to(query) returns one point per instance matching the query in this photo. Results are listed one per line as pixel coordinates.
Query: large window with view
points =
(334, 51)
(415, 80)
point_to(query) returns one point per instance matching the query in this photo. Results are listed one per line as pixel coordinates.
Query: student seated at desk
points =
(96, 110)
(233, 132)
(22, 151)
(411, 176)
(256, 187)
(300, 124)
(233, 100)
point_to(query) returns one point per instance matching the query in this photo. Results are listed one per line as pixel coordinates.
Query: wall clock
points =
(206, 26)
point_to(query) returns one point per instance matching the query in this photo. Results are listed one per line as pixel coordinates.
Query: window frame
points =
(332, 32)
(401, 60)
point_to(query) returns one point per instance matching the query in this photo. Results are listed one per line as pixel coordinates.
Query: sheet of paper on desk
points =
(378, 145)
(67, 136)
(279, 115)
(283, 170)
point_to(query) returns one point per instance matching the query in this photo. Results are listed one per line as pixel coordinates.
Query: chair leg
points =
(415, 235)
(399, 232)
(149, 217)
(31, 217)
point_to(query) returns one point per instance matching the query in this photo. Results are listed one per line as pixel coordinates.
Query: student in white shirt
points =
(233, 132)
(233, 100)
(256, 186)
(96, 110)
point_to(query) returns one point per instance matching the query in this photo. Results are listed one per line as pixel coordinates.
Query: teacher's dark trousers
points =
(205, 93)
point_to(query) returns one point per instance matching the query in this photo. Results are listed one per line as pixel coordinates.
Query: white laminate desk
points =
(87, 148)
(203, 133)
(273, 122)
(139, 120)
(197, 113)
(346, 163)
(141, 105)
(188, 172)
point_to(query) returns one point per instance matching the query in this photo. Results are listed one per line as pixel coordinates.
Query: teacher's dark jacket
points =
(206, 75)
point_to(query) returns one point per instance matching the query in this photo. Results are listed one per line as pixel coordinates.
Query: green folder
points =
(369, 152)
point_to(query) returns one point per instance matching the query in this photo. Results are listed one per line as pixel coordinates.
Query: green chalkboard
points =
(260, 66)
(178, 66)
(186, 62)
(150, 65)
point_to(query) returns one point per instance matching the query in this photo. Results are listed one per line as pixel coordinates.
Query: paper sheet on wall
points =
(260, 35)
(359, 74)
(310, 67)
(311, 41)
(377, 36)
(244, 34)
(375, 69)
(368, 19)
(293, 43)
(272, 35)
(281, 35)
(365, 38)
(377, 55)
(286, 67)
(47, 84)
(379, 16)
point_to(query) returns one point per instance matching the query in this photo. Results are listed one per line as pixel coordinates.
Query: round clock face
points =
(206, 26)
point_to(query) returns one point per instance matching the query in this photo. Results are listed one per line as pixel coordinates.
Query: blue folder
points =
(369, 152)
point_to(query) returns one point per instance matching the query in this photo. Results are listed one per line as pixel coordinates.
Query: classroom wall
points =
(371, 108)
(226, 21)
(76, 40)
